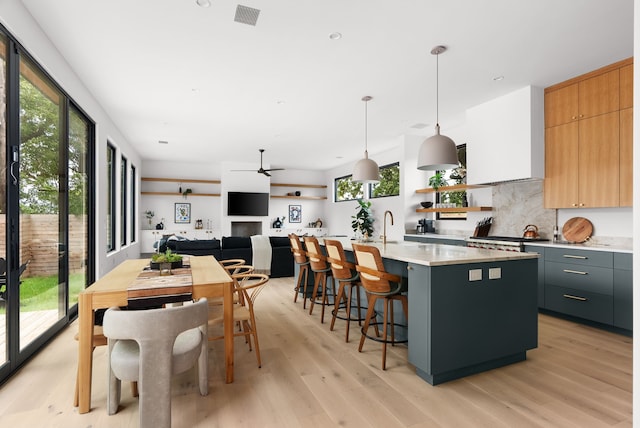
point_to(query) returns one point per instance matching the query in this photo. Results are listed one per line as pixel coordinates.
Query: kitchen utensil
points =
(577, 229)
(530, 231)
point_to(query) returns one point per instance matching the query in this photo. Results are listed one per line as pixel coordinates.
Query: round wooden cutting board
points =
(577, 229)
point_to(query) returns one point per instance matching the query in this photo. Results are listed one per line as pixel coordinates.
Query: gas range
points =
(504, 243)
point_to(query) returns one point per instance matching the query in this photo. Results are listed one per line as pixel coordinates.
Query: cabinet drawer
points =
(579, 257)
(587, 278)
(579, 303)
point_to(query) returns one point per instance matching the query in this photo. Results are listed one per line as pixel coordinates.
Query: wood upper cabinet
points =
(588, 139)
(626, 157)
(626, 87)
(587, 98)
(561, 106)
(561, 171)
(599, 160)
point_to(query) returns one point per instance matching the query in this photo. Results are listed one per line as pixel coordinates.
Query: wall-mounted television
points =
(248, 203)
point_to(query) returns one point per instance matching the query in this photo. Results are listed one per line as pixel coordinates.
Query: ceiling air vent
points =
(246, 15)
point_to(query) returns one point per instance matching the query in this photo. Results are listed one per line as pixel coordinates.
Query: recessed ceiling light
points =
(335, 36)
(163, 142)
(280, 102)
(203, 3)
(498, 78)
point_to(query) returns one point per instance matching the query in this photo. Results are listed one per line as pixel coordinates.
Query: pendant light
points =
(438, 152)
(366, 170)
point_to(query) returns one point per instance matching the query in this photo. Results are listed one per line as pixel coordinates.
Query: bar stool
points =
(349, 282)
(322, 273)
(300, 258)
(379, 285)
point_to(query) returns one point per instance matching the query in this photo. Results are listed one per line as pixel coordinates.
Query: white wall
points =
(22, 26)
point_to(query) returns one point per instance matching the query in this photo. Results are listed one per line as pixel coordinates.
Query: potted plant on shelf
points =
(436, 181)
(362, 223)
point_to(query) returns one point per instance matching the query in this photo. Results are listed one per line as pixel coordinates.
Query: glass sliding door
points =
(80, 140)
(3, 202)
(42, 183)
(46, 207)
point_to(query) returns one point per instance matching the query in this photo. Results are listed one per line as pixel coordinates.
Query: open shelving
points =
(303, 186)
(179, 180)
(453, 188)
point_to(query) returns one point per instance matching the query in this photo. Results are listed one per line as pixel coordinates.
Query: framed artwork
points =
(183, 212)
(295, 213)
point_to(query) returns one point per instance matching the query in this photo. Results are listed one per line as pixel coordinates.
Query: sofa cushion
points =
(232, 242)
(279, 241)
(196, 247)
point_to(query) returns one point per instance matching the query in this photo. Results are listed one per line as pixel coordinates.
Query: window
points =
(347, 190)
(132, 211)
(389, 184)
(111, 197)
(456, 198)
(123, 201)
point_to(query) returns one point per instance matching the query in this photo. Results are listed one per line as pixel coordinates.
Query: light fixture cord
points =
(437, 90)
(365, 126)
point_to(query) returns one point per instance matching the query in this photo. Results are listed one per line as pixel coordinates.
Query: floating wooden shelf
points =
(454, 188)
(309, 186)
(180, 180)
(453, 210)
(178, 194)
(298, 197)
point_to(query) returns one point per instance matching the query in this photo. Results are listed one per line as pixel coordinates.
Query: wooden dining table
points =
(209, 279)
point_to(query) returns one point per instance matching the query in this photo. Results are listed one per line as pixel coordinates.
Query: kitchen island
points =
(470, 309)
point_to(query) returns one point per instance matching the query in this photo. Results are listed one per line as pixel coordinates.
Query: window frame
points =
(372, 186)
(111, 197)
(335, 189)
(124, 166)
(133, 207)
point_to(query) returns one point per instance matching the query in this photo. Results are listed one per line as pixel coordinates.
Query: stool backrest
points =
(340, 267)
(316, 259)
(373, 276)
(299, 255)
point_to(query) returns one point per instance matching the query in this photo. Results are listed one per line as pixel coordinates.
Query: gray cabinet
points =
(540, 251)
(623, 291)
(594, 285)
(433, 240)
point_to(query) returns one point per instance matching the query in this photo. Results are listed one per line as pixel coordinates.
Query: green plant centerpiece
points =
(167, 257)
(362, 223)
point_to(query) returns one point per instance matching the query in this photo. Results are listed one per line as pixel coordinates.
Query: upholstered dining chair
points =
(380, 285)
(148, 346)
(301, 259)
(323, 276)
(348, 285)
(249, 285)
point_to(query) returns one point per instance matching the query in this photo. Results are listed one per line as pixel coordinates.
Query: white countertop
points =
(437, 254)
(589, 245)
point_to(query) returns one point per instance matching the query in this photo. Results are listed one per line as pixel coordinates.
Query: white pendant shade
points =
(366, 170)
(437, 152)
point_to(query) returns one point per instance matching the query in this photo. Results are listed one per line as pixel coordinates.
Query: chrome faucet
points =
(384, 227)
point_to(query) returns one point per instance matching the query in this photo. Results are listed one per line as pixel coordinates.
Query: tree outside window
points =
(348, 190)
(389, 184)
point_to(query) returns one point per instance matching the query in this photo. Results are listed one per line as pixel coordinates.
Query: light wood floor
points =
(578, 377)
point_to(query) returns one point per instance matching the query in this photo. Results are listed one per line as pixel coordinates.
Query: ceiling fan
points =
(261, 170)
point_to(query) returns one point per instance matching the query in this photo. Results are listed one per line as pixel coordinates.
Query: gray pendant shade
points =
(439, 151)
(366, 170)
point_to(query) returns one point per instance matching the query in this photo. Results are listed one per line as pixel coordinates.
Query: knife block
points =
(481, 231)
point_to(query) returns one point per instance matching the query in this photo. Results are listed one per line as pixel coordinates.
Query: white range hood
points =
(506, 138)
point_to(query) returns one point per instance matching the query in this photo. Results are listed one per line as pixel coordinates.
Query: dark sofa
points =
(237, 247)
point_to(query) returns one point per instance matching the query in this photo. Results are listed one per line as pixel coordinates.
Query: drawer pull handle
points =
(571, 256)
(577, 272)
(569, 296)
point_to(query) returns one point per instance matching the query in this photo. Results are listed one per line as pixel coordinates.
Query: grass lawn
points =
(41, 292)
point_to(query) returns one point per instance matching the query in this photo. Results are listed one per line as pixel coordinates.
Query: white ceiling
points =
(219, 90)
